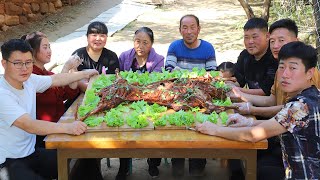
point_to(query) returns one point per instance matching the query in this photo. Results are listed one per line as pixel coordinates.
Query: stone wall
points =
(15, 12)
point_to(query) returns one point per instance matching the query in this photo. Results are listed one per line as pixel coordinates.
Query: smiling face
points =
(292, 75)
(142, 44)
(96, 42)
(14, 75)
(280, 37)
(189, 30)
(43, 55)
(256, 42)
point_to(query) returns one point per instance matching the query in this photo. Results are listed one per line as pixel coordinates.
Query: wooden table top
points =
(142, 139)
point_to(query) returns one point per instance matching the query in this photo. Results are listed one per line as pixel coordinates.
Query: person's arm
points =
(53, 66)
(239, 69)
(171, 59)
(83, 84)
(246, 108)
(267, 112)
(64, 79)
(292, 117)
(269, 77)
(122, 61)
(40, 127)
(71, 66)
(256, 100)
(259, 92)
(160, 64)
(264, 130)
(211, 63)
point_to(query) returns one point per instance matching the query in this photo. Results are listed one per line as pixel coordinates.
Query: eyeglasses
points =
(19, 65)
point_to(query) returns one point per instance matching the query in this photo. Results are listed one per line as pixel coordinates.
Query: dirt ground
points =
(221, 24)
(65, 21)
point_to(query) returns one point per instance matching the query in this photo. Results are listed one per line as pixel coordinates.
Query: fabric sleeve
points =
(66, 93)
(11, 110)
(160, 63)
(268, 80)
(239, 70)
(171, 59)
(211, 63)
(293, 116)
(121, 61)
(42, 83)
(114, 63)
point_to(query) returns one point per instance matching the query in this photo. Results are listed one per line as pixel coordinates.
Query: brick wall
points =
(15, 12)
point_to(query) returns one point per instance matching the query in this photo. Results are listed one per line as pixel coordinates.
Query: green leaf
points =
(214, 73)
(161, 121)
(139, 106)
(136, 120)
(114, 118)
(103, 81)
(93, 121)
(213, 117)
(226, 102)
(84, 109)
(200, 117)
(91, 98)
(223, 117)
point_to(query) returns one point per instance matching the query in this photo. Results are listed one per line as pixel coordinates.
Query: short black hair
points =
(285, 23)
(258, 23)
(226, 66)
(97, 27)
(300, 50)
(14, 45)
(190, 15)
(148, 31)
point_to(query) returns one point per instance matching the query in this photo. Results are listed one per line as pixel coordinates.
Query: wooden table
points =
(149, 144)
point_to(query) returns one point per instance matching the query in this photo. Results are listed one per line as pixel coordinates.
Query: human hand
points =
(235, 93)
(90, 72)
(73, 85)
(73, 62)
(237, 120)
(243, 108)
(207, 128)
(76, 128)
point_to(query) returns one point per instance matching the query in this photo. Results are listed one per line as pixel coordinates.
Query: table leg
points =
(251, 165)
(63, 165)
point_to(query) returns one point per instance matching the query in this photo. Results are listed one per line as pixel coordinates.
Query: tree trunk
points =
(247, 8)
(265, 10)
(316, 13)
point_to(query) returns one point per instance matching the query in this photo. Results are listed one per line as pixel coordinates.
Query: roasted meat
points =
(176, 93)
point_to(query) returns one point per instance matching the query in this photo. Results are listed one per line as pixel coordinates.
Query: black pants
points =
(154, 161)
(42, 164)
(39, 142)
(87, 169)
(195, 164)
(124, 166)
(269, 163)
